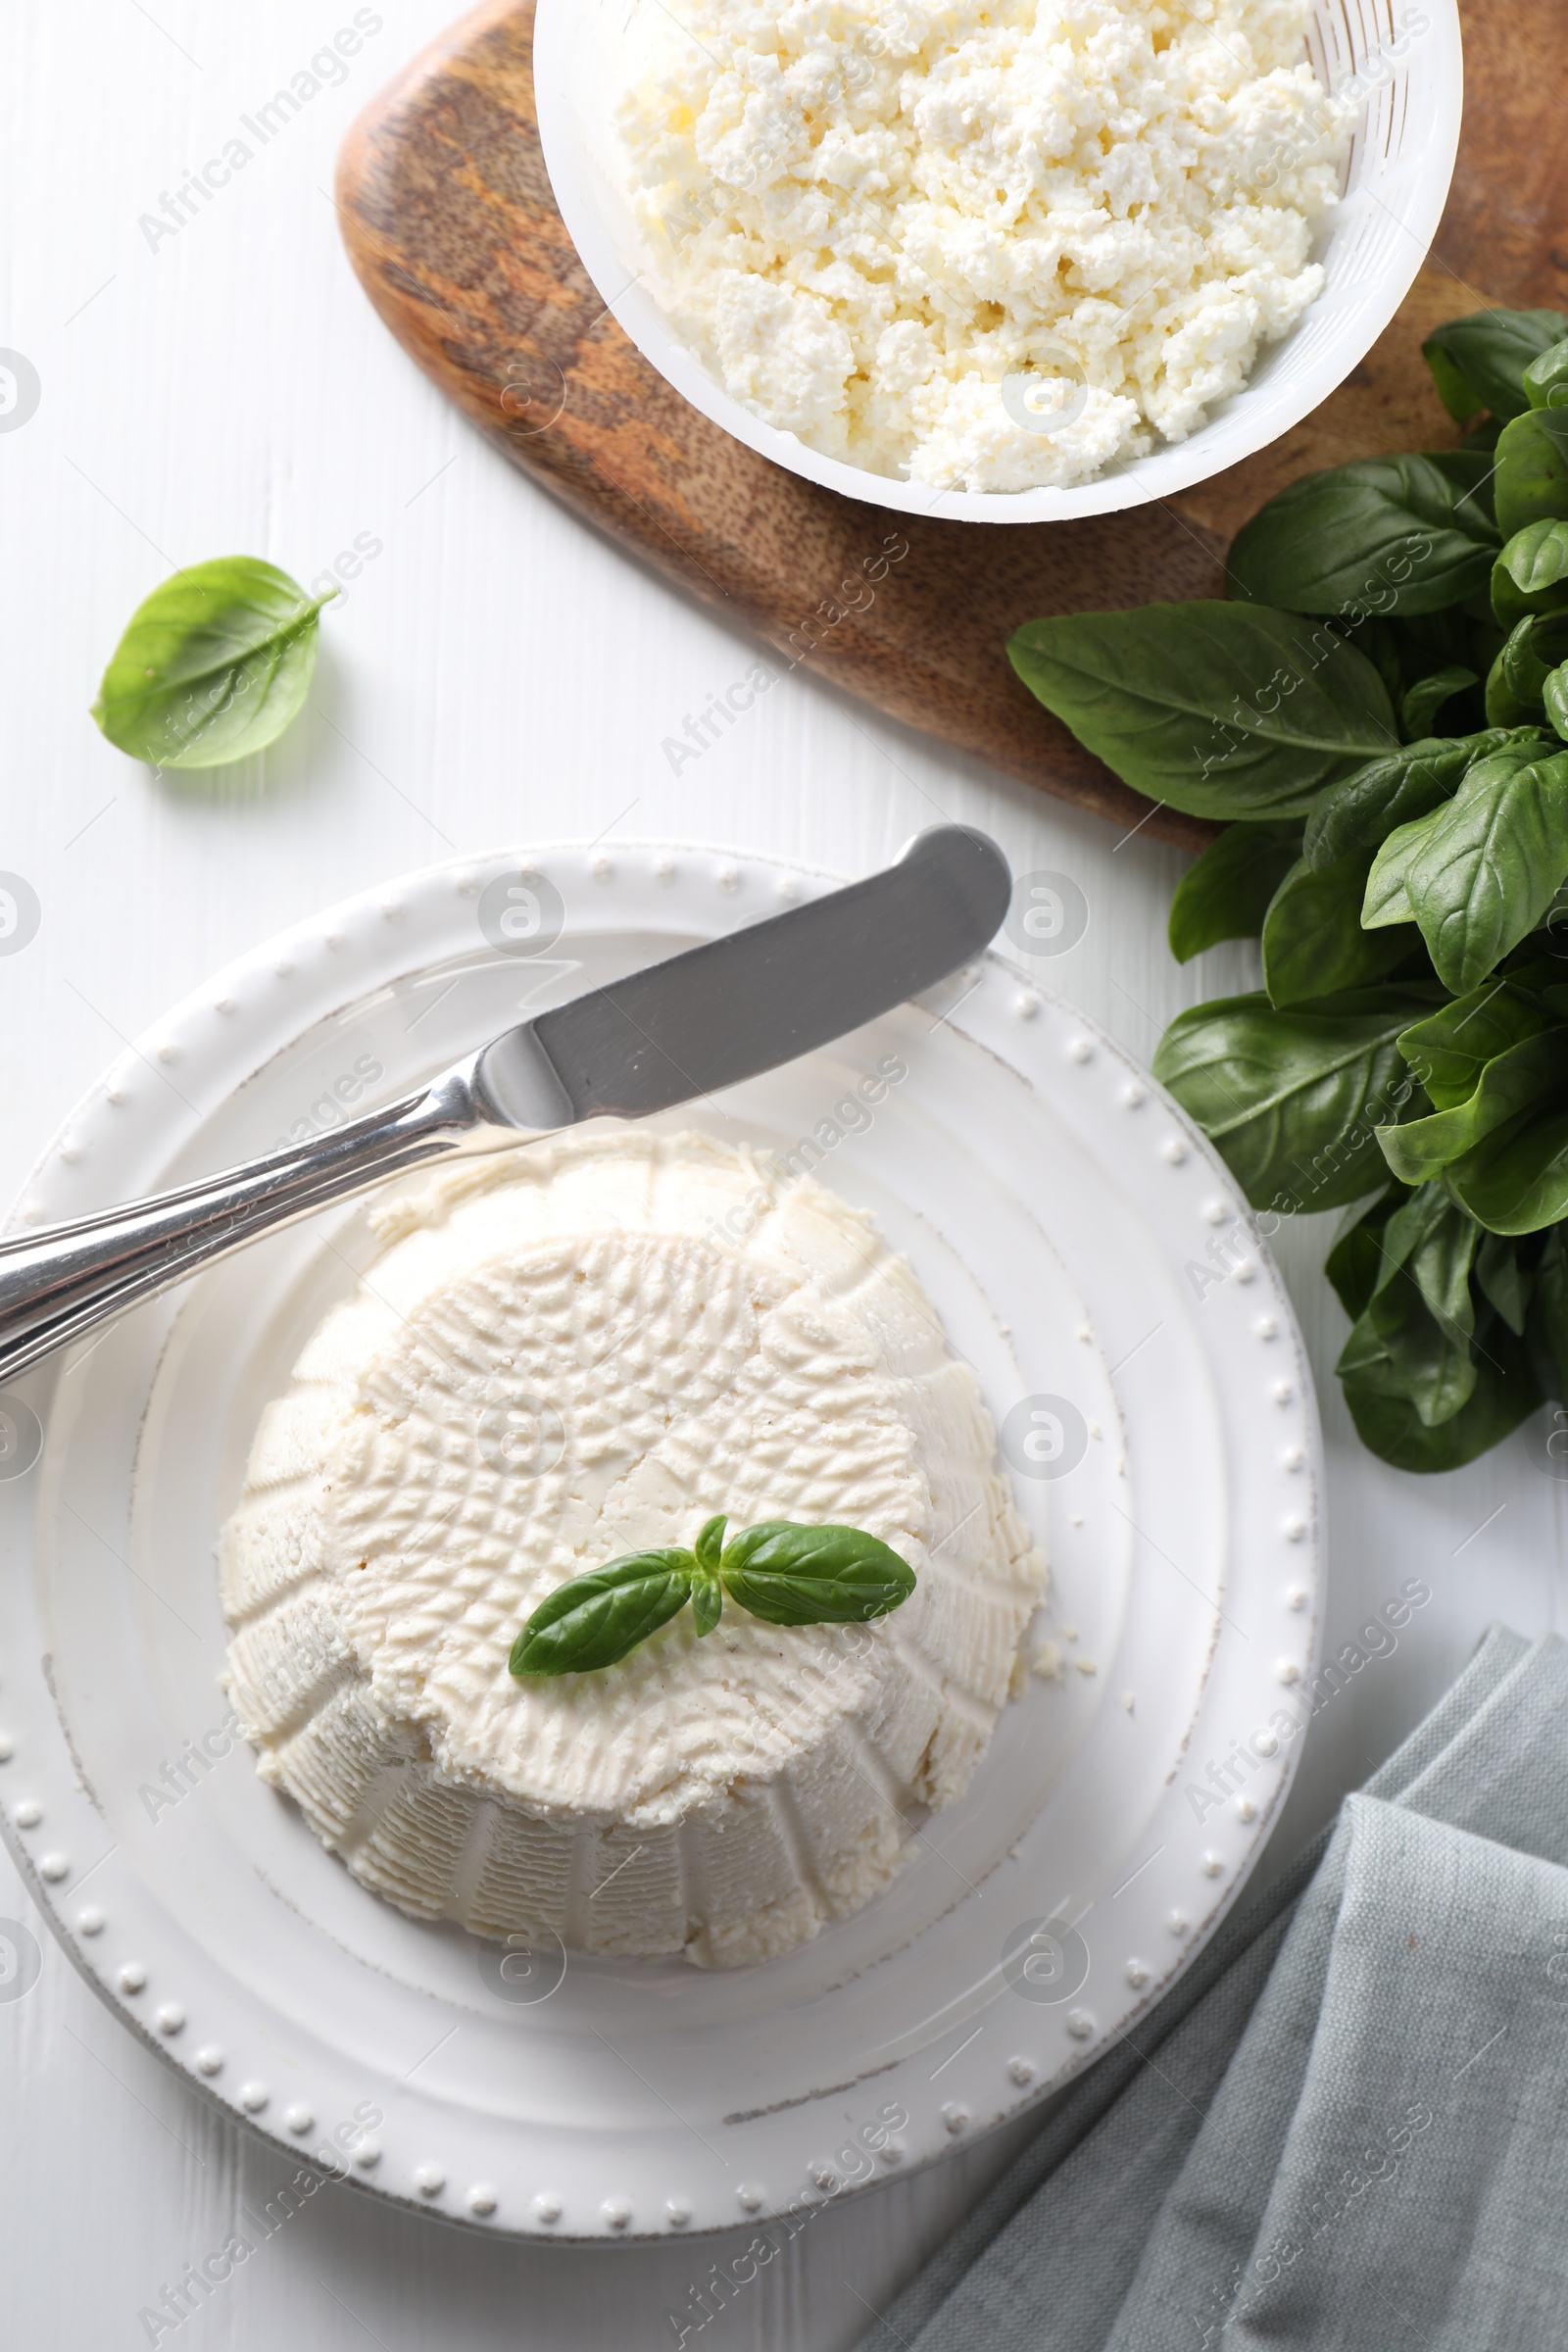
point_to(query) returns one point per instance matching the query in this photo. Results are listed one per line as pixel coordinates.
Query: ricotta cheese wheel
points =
(577, 1350)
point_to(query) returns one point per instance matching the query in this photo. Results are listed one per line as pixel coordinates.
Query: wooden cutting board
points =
(450, 223)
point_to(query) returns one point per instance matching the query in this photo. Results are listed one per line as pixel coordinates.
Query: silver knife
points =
(671, 1034)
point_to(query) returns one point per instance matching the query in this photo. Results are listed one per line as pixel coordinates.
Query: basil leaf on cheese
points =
(788, 1574)
(598, 1619)
(815, 1575)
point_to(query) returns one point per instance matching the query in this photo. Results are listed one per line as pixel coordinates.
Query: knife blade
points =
(739, 1005)
(677, 1031)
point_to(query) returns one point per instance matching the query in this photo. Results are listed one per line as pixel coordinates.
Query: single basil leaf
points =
(1413, 1340)
(1293, 1099)
(213, 665)
(815, 1575)
(1532, 1071)
(1313, 943)
(1388, 898)
(1356, 1259)
(1517, 681)
(1367, 806)
(1479, 362)
(1532, 483)
(709, 1544)
(707, 1601)
(1389, 1426)
(1516, 1179)
(1546, 379)
(1504, 1280)
(1407, 531)
(1547, 1322)
(1221, 710)
(1414, 1219)
(1531, 575)
(1225, 891)
(598, 1619)
(1555, 700)
(1449, 1049)
(1489, 865)
(1422, 702)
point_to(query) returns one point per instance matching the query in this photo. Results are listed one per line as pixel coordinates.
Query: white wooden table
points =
(492, 674)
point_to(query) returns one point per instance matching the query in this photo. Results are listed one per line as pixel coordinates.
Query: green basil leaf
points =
(1313, 943)
(1225, 891)
(1422, 702)
(1221, 710)
(1408, 531)
(213, 665)
(1547, 1322)
(1504, 1280)
(1293, 1099)
(1531, 481)
(1532, 1071)
(1546, 379)
(1516, 1178)
(710, 1542)
(1451, 1049)
(1413, 1340)
(598, 1619)
(1555, 700)
(1387, 896)
(707, 1601)
(1356, 1260)
(1388, 1425)
(1531, 575)
(815, 1575)
(1518, 677)
(1369, 805)
(1479, 362)
(1489, 864)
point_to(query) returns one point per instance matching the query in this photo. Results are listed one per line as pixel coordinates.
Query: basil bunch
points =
(786, 1574)
(1378, 714)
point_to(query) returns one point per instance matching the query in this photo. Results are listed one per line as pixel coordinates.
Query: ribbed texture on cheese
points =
(573, 1352)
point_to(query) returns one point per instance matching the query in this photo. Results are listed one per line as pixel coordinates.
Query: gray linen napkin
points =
(1343, 2127)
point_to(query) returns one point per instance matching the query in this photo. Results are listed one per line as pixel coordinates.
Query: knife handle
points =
(62, 1281)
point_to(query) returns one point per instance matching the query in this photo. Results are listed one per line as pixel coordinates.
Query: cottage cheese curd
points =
(986, 244)
(559, 1357)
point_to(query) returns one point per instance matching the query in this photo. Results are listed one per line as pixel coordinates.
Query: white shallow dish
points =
(1059, 1210)
(1409, 61)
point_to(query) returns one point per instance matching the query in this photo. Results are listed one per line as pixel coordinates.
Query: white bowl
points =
(1397, 182)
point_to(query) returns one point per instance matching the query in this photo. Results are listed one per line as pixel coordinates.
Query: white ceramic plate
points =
(1062, 1215)
(1404, 60)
